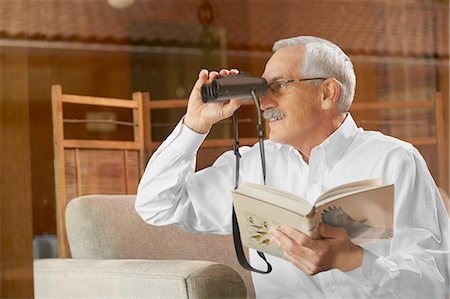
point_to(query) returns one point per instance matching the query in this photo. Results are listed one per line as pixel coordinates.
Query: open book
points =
(363, 208)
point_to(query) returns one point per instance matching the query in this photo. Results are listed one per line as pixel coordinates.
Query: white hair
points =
(324, 59)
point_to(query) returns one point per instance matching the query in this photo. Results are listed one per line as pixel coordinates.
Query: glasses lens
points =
(277, 88)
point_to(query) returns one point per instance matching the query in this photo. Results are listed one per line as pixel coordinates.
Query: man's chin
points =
(276, 138)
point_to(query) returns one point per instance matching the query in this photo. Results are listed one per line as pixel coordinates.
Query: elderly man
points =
(314, 145)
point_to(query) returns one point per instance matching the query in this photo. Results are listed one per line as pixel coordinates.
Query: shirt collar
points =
(337, 143)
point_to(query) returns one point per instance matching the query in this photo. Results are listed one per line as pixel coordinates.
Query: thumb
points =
(332, 232)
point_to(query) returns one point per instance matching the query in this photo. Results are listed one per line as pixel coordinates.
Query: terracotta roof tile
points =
(410, 28)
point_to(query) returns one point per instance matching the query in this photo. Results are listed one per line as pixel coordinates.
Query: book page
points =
(367, 216)
(350, 187)
(276, 197)
(256, 218)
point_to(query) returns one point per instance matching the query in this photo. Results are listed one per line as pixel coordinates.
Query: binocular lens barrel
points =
(233, 87)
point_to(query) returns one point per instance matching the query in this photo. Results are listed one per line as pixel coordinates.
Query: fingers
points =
(205, 76)
(297, 235)
(225, 72)
(313, 256)
(202, 79)
(291, 240)
(213, 75)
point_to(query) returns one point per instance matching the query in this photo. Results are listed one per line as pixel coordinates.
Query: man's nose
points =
(267, 101)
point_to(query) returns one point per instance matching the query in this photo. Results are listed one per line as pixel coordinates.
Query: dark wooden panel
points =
(16, 259)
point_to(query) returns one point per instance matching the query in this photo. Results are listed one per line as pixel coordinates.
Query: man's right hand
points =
(200, 117)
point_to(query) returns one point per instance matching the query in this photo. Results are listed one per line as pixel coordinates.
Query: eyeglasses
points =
(278, 88)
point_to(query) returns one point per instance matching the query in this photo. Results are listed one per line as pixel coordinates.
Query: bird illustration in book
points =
(336, 216)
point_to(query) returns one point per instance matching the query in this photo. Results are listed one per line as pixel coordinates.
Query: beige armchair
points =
(116, 255)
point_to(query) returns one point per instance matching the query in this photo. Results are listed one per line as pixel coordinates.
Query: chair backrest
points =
(419, 122)
(108, 227)
(87, 161)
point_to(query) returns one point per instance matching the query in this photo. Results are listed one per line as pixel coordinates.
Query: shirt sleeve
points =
(418, 261)
(171, 192)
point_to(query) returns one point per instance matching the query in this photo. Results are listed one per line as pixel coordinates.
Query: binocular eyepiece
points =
(237, 86)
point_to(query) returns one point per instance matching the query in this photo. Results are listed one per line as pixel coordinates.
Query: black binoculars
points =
(237, 86)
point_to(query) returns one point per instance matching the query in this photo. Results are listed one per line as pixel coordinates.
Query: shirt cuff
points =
(186, 141)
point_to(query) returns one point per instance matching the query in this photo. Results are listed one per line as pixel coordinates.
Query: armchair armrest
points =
(125, 278)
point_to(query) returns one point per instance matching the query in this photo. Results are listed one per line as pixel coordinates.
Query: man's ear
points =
(330, 93)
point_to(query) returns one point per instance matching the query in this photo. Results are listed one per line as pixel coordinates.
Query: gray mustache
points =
(272, 113)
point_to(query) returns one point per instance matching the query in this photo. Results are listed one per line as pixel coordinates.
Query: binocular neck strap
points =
(236, 233)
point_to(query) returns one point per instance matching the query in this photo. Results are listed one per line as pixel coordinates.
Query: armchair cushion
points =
(81, 278)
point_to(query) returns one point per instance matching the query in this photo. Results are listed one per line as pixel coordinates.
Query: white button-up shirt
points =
(414, 264)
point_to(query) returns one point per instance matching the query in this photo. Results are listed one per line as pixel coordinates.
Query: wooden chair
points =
(84, 163)
(213, 146)
(369, 116)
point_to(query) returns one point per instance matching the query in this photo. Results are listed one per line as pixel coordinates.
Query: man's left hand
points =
(312, 256)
